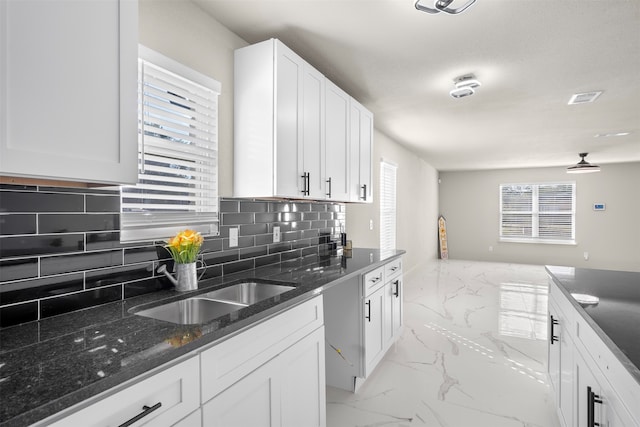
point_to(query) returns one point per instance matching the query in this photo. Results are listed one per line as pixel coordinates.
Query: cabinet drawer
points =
(227, 362)
(392, 269)
(373, 280)
(175, 389)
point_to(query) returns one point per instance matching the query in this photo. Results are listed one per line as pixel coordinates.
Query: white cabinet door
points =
(566, 395)
(587, 401)
(387, 331)
(311, 161)
(553, 362)
(336, 142)
(374, 326)
(303, 390)
(361, 153)
(396, 306)
(68, 79)
(252, 401)
(289, 72)
(287, 391)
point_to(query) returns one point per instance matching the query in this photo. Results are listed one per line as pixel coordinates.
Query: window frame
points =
(536, 213)
(199, 158)
(387, 212)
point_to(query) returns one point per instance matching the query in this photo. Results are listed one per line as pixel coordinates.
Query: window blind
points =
(538, 212)
(178, 152)
(387, 205)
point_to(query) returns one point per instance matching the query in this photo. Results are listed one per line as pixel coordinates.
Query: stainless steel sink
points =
(247, 293)
(190, 311)
(206, 307)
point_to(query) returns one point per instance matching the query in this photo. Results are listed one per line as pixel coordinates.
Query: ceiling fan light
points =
(583, 166)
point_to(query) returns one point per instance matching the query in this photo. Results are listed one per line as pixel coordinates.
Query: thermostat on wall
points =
(599, 206)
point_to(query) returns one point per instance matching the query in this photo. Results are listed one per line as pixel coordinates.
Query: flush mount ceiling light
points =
(583, 166)
(464, 86)
(607, 135)
(584, 98)
(443, 6)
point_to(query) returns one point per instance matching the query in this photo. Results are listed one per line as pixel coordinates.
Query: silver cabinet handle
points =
(306, 183)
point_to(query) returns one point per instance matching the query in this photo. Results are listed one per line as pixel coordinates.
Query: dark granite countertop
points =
(52, 364)
(616, 316)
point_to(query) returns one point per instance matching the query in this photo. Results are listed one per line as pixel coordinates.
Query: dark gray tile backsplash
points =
(60, 248)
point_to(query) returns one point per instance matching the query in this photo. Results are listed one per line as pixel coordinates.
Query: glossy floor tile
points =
(473, 353)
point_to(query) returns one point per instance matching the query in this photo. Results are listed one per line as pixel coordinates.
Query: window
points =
(541, 213)
(178, 152)
(387, 205)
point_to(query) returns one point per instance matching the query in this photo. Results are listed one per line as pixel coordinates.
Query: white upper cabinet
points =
(292, 129)
(336, 142)
(313, 144)
(68, 79)
(273, 158)
(361, 153)
(270, 127)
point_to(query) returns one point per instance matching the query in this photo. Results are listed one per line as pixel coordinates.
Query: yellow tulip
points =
(184, 246)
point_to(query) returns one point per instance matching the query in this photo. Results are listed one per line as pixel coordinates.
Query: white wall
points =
(417, 205)
(183, 32)
(470, 203)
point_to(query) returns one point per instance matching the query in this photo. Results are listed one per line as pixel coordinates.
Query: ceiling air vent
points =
(584, 98)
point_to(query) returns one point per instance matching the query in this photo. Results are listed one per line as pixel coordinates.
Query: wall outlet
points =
(586, 256)
(370, 224)
(233, 237)
(276, 234)
(490, 248)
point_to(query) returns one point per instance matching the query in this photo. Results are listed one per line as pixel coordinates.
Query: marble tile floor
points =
(473, 353)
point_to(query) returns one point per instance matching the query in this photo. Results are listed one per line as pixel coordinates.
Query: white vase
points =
(187, 277)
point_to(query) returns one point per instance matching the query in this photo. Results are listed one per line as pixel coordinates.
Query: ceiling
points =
(529, 55)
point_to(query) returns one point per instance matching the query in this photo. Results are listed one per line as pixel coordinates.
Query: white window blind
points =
(543, 213)
(387, 205)
(178, 152)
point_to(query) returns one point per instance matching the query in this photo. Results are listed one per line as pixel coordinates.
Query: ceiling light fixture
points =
(443, 6)
(583, 166)
(607, 135)
(584, 98)
(464, 86)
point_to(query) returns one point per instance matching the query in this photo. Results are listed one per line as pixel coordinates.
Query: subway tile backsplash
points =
(60, 248)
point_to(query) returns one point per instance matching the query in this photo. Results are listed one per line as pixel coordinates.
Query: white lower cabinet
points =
(588, 408)
(160, 400)
(374, 329)
(303, 383)
(249, 402)
(560, 364)
(362, 336)
(591, 387)
(272, 374)
(287, 391)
